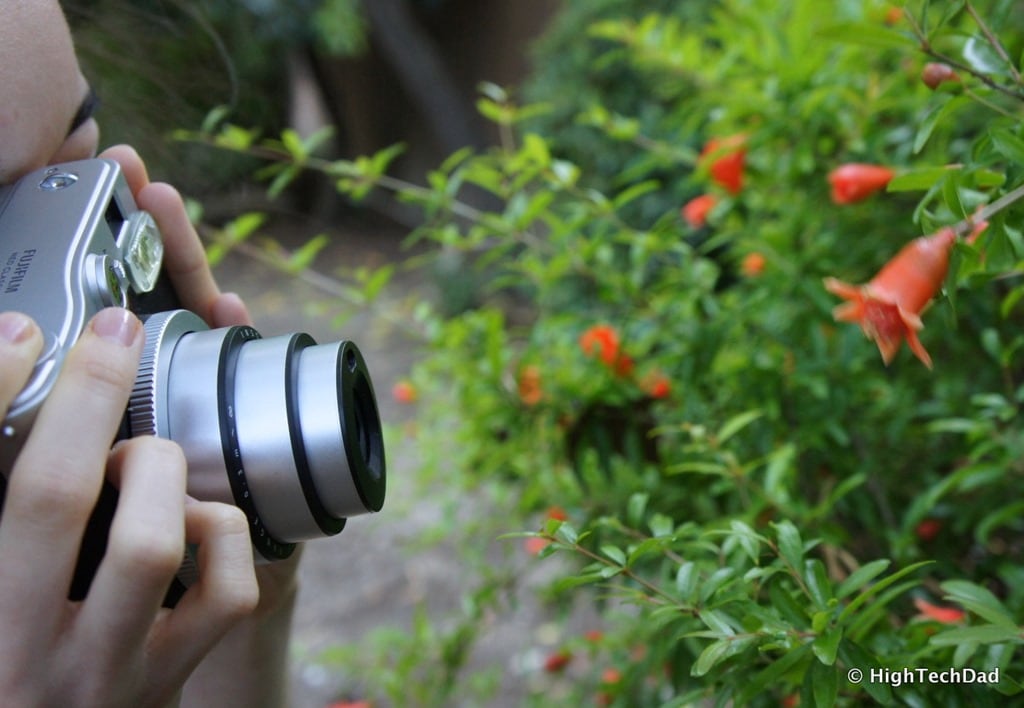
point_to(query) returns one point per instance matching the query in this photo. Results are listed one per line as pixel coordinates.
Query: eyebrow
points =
(86, 109)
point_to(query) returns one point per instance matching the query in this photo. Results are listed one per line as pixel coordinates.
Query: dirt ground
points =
(377, 572)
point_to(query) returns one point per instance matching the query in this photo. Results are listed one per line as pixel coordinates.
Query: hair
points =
(163, 65)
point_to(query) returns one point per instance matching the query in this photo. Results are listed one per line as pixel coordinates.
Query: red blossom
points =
(556, 663)
(753, 264)
(656, 385)
(728, 158)
(855, 181)
(945, 615)
(601, 340)
(404, 392)
(889, 307)
(695, 212)
(928, 529)
(557, 513)
(535, 544)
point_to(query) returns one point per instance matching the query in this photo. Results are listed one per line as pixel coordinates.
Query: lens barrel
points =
(283, 427)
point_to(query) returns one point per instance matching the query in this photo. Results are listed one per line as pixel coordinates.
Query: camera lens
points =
(283, 427)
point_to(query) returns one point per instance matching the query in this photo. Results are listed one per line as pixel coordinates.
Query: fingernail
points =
(116, 325)
(15, 327)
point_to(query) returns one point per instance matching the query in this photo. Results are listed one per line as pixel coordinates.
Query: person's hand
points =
(186, 264)
(117, 647)
(184, 257)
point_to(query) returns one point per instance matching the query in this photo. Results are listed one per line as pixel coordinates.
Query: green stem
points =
(988, 211)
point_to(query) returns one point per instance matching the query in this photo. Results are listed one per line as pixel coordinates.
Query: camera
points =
(284, 428)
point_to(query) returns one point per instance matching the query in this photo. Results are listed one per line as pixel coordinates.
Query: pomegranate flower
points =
(889, 307)
(728, 158)
(938, 613)
(695, 212)
(855, 182)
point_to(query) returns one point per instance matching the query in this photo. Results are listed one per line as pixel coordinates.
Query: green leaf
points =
(615, 553)
(711, 655)
(858, 601)
(940, 114)
(575, 581)
(1008, 145)
(718, 621)
(635, 508)
(918, 180)
(824, 682)
(736, 424)
(871, 34)
(978, 600)
(565, 532)
(817, 582)
(303, 257)
(661, 525)
(791, 548)
(750, 541)
(861, 577)
(770, 675)
(982, 634)
(635, 192)
(687, 578)
(826, 645)
(214, 118)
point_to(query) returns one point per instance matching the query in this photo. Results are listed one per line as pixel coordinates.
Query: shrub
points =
(761, 507)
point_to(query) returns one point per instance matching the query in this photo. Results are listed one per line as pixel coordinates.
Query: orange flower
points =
(855, 182)
(695, 212)
(602, 341)
(753, 264)
(656, 385)
(557, 513)
(404, 392)
(530, 391)
(889, 307)
(728, 156)
(535, 544)
(945, 615)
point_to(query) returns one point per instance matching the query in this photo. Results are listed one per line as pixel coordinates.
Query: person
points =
(225, 642)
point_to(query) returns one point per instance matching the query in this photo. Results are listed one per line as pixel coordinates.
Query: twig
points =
(994, 41)
(927, 48)
(989, 210)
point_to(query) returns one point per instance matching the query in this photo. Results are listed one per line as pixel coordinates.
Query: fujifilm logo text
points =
(19, 269)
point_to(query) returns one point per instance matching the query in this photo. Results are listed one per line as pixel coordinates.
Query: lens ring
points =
(327, 523)
(360, 427)
(268, 546)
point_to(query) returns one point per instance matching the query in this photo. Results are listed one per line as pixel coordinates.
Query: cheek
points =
(80, 145)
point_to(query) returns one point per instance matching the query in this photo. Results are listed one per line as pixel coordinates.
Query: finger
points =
(229, 310)
(20, 344)
(184, 256)
(132, 166)
(225, 593)
(145, 547)
(56, 478)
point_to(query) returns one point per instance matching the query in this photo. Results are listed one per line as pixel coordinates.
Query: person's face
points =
(42, 90)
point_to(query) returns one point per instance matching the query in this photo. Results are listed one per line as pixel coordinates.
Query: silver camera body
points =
(284, 428)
